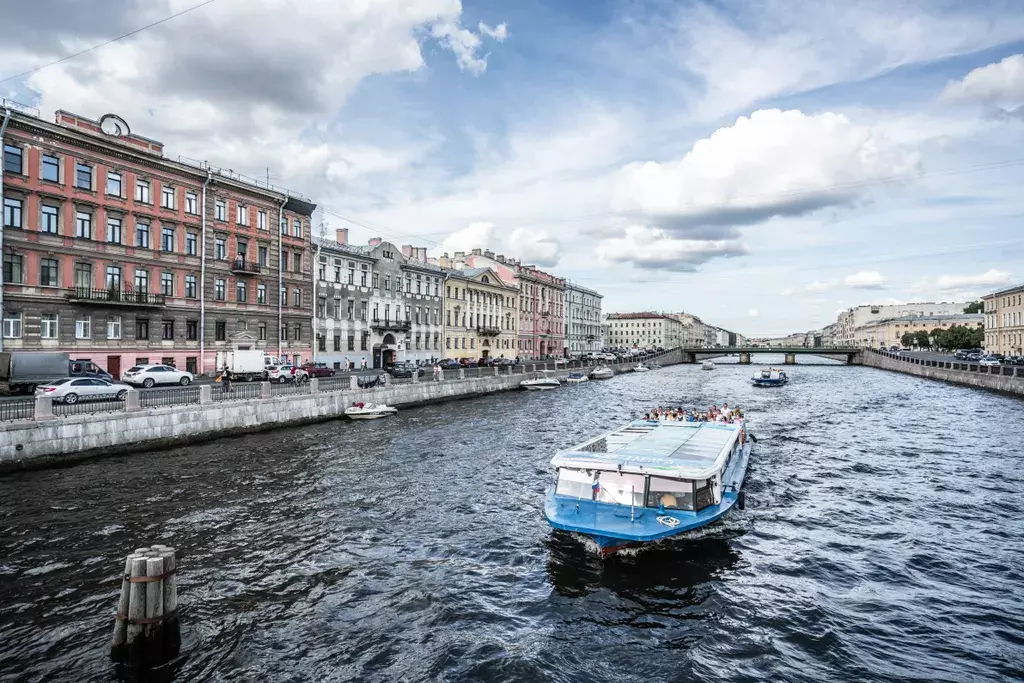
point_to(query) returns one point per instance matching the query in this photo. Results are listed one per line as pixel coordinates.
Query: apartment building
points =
(850, 320)
(643, 330)
(481, 315)
(889, 332)
(583, 328)
(1004, 320)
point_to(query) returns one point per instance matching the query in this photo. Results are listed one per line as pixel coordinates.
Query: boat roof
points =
(681, 450)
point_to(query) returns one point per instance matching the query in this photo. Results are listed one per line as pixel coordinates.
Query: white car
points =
(151, 375)
(280, 373)
(989, 361)
(75, 389)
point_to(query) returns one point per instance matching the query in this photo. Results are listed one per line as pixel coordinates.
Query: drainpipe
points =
(202, 282)
(3, 129)
(316, 285)
(280, 281)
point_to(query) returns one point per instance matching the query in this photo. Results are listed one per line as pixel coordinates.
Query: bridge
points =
(851, 354)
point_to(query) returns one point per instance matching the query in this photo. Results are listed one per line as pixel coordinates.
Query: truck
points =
(245, 365)
(23, 371)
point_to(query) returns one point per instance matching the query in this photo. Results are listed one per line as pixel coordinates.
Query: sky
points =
(763, 164)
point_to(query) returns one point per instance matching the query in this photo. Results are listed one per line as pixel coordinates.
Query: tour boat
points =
(640, 367)
(769, 377)
(603, 372)
(648, 481)
(369, 411)
(547, 380)
(576, 378)
(707, 365)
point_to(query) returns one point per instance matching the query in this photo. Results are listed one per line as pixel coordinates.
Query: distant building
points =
(889, 332)
(481, 315)
(1004, 320)
(849, 320)
(641, 330)
(584, 332)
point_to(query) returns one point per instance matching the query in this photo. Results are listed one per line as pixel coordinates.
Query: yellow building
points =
(480, 315)
(889, 332)
(1004, 321)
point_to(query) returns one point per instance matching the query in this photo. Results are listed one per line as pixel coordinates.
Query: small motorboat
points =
(769, 377)
(707, 365)
(369, 411)
(603, 372)
(576, 378)
(640, 367)
(546, 380)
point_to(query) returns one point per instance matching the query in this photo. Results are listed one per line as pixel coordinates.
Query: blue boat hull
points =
(613, 527)
(768, 382)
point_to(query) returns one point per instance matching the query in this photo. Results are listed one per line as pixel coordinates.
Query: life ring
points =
(670, 522)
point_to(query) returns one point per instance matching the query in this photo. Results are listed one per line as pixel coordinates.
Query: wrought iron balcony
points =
(545, 312)
(115, 297)
(245, 267)
(488, 331)
(391, 325)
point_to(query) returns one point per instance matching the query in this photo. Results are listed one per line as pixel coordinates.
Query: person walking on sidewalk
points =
(225, 380)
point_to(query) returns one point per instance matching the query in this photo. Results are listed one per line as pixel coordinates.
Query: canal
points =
(882, 541)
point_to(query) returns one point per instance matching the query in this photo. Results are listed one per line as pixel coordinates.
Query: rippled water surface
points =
(883, 540)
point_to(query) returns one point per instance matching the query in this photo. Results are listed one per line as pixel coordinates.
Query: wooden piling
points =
(121, 619)
(146, 629)
(154, 597)
(137, 601)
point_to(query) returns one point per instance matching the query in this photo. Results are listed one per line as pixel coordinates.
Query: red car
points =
(315, 370)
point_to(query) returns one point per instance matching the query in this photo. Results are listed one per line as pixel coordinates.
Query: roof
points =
(965, 317)
(684, 450)
(638, 316)
(1005, 290)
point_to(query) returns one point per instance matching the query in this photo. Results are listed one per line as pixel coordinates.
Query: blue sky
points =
(761, 164)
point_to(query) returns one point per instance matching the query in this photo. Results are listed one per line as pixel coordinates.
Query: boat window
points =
(623, 489)
(575, 483)
(673, 494)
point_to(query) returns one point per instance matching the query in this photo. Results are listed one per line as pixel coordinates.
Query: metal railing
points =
(82, 407)
(115, 296)
(241, 265)
(289, 388)
(17, 409)
(238, 392)
(333, 383)
(175, 396)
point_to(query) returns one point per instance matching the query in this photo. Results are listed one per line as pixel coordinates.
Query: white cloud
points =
(786, 292)
(866, 279)
(819, 286)
(1000, 83)
(989, 278)
(498, 33)
(479, 235)
(530, 246)
(648, 247)
(534, 246)
(753, 313)
(772, 163)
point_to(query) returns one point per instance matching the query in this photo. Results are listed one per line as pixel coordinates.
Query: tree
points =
(907, 340)
(921, 339)
(973, 307)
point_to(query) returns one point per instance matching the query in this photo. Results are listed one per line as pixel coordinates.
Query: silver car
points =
(73, 390)
(151, 375)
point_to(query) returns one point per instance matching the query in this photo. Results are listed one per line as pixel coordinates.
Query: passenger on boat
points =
(358, 404)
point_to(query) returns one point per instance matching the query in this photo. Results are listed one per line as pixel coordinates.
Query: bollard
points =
(353, 383)
(462, 373)
(495, 370)
(265, 390)
(314, 385)
(387, 379)
(146, 628)
(415, 375)
(132, 402)
(44, 408)
(205, 394)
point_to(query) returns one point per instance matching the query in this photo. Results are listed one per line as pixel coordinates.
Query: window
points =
(284, 226)
(321, 342)
(297, 298)
(362, 310)
(48, 272)
(191, 243)
(141, 281)
(337, 342)
(262, 330)
(113, 277)
(12, 326)
(321, 308)
(114, 327)
(83, 176)
(48, 326)
(362, 277)
(242, 249)
(351, 308)
(284, 260)
(387, 283)
(83, 225)
(51, 168)
(218, 290)
(263, 256)
(167, 284)
(220, 331)
(376, 281)
(297, 228)
(142, 191)
(190, 286)
(83, 275)
(113, 183)
(297, 262)
(12, 159)
(242, 214)
(113, 230)
(167, 239)
(297, 332)
(167, 197)
(220, 249)
(241, 293)
(220, 210)
(167, 329)
(670, 493)
(351, 342)
(142, 235)
(363, 341)
(12, 212)
(83, 327)
(283, 297)
(191, 203)
(261, 219)
(191, 330)
(337, 308)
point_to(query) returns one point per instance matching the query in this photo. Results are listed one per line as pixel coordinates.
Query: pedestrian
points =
(437, 372)
(347, 366)
(225, 379)
(363, 364)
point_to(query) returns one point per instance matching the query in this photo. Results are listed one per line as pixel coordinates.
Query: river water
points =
(882, 541)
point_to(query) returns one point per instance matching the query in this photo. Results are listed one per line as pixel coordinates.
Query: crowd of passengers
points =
(712, 414)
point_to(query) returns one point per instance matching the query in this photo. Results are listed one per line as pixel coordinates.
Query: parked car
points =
(448, 364)
(485, 362)
(467, 362)
(989, 360)
(961, 354)
(504, 362)
(974, 357)
(151, 375)
(317, 370)
(72, 390)
(279, 373)
(405, 370)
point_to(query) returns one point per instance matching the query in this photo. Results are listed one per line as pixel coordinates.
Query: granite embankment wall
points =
(55, 441)
(1006, 379)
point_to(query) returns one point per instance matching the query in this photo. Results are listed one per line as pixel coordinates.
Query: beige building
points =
(480, 315)
(1004, 321)
(879, 333)
(847, 323)
(642, 330)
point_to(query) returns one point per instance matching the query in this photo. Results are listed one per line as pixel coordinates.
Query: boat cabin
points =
(662, 465)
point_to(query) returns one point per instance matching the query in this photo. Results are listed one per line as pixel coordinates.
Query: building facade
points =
(114, 253)
(375, 305)
(851, 319)
(583, 328)
(889, 332)
(481, 315)
(1004, 321)
(643, 330)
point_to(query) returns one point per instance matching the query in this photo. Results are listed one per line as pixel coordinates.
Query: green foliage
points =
(959, 337)
(907, 340)
(921, 339)
(973, 307)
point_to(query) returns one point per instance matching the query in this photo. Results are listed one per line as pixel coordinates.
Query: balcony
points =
(488, 331)
(391, 325)
(241, 266)
(545, 313)
(115, 297)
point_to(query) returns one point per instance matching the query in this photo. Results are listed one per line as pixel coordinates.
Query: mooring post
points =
(205, 394)
(44, 408)
(136, 601)
(153, 630)
(353, 383)
(314, 385)
(265, 390)
(121, 619)
(415, 375)
(462, 373)
(133, 402)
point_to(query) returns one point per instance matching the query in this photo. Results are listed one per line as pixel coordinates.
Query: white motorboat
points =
(603, 372)
(546, 380)
(640, 367)
(369, 411)
(707, 365)
(576, 378)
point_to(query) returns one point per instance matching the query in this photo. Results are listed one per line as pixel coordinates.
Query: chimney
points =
(489, 254)
(459, 255)
(407, 250)
(341, 235)
(422, 254)
(374, 241)
(477, 252)
(500, 258)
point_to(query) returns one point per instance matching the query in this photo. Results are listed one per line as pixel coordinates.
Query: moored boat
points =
(545, 381)
(369, 411)
(648, 481)
(707, 365)
(603, 372)
(640, 367)
(769, 377)
(576, 378)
